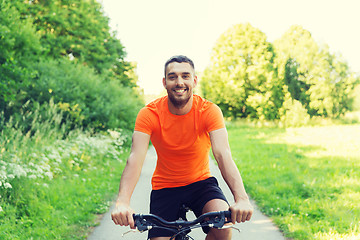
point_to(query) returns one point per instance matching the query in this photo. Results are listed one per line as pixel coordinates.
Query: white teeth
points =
(179, 91)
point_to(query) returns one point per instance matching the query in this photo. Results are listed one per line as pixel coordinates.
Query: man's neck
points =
(183, 110)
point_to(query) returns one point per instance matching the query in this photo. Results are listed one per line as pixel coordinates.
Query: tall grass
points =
(307, 179)
(54, 181)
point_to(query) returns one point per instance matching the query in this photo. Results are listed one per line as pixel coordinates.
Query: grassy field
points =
(307, 179)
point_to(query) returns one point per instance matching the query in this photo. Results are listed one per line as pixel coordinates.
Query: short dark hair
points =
(179, 59)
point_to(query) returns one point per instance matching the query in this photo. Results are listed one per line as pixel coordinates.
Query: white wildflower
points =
(54, 156)
(11, 176)
(114, 134)
(49, 175)
(19, 171)
(7, 185)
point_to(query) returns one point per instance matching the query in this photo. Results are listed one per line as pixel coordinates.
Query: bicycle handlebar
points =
(145, 222)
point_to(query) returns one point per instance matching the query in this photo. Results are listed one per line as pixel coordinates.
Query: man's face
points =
(179, 82)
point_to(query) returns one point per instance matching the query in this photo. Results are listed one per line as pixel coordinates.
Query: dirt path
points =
(259, 228)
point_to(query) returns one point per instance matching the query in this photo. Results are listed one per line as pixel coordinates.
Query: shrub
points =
(295, 114)
(86, 98)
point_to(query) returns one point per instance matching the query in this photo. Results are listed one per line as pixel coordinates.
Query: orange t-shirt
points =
(182, 142)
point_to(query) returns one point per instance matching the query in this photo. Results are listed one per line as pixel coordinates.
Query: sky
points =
(154, 30)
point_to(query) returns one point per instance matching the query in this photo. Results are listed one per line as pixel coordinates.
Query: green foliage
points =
(61, 71)
(241, 78)
(53, 185)
(295, 114)
(321, 81)
(63, 50)
(250, 78)
(87, 98)
(63, 208)
(294, 82)
(18, 36)
(19, 45)
(356, 94)
(80, 30)
(305, 179)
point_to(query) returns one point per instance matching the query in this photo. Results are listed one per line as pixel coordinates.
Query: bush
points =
(295, 114)
(86, 98)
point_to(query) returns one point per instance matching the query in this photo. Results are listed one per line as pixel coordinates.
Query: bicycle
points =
(182, 227)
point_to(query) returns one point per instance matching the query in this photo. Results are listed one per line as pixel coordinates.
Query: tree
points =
(19, 45)
(78, 29)
(316, 78)
(61, 51)
(241, 78)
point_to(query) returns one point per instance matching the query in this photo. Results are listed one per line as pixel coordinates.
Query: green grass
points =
(61, 209)
(55, 183)
(307, 179)
(65, 207)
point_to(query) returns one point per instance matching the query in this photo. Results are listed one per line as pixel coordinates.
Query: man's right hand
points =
(123, 215)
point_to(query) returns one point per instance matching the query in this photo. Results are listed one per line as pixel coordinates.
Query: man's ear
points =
(164, 82)
(195, 81)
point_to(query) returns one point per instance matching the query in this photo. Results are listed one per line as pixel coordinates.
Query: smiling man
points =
(179, 82)
(182, 127)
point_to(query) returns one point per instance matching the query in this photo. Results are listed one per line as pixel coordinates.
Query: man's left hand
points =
(241, 211)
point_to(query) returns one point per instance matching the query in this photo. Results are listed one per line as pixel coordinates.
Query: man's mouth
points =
(180, 90)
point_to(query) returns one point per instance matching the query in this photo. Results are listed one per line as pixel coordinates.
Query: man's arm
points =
(242, 209)
(122, 215)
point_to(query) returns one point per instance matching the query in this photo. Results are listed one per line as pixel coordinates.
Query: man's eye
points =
(186, 76)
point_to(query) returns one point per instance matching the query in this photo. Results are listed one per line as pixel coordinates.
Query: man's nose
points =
(179, 81)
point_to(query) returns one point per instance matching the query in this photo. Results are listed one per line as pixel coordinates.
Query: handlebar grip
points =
(228, 215)
(138, 223)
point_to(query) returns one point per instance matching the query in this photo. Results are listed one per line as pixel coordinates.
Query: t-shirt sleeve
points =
(214, 118)
(144, 121)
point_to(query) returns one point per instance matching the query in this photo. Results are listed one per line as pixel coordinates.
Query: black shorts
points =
(167, 202)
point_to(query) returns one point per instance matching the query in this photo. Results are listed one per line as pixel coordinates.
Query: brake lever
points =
(136, 230)
(130, 231)
(231, 226)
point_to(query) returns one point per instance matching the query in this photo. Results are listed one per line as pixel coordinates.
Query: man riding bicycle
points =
(182, 127)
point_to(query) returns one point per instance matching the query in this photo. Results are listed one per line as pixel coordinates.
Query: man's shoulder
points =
(203, 104)
(156, 103)
(155, 106)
